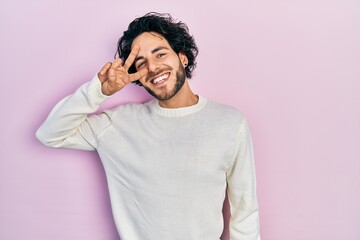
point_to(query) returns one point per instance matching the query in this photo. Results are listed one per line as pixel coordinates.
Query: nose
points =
(153, 66)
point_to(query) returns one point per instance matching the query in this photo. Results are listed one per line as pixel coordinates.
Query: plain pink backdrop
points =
(293, 67)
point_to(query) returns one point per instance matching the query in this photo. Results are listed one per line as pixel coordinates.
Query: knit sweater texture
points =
(167, 170)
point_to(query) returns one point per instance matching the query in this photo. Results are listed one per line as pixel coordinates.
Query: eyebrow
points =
(158, 49)
(152, 52)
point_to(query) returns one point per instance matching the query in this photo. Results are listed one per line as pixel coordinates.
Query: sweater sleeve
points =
(69, 124)
(241, 180)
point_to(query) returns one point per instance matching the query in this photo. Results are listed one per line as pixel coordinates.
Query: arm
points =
(244, 221)
(69, 126)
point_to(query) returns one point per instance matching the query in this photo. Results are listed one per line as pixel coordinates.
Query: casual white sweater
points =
(167, 169)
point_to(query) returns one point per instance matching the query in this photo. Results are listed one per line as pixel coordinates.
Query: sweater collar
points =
(177, 112)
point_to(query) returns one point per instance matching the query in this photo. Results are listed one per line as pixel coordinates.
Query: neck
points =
(183, 98)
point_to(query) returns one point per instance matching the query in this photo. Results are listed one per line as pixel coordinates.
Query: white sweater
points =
(167, 169)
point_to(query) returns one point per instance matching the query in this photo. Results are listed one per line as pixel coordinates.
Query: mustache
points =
(153, 74)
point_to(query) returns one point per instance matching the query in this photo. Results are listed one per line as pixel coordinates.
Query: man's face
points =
(166, 73)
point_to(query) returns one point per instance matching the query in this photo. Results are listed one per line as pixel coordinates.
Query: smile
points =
(160, 79)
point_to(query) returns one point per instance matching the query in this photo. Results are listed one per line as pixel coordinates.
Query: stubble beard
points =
(164, 95)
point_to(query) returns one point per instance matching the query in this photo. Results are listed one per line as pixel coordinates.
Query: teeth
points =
(160, 79)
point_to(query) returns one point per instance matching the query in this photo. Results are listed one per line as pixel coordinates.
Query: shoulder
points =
(131, 110)
(224, 111)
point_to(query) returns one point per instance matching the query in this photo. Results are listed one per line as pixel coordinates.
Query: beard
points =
(165, 95)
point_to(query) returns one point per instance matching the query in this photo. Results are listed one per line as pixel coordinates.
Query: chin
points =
(162, 93)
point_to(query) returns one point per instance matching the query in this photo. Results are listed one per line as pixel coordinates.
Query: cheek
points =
(172, 64)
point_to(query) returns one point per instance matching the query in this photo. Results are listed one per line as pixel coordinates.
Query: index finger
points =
(131, 58)
(137, 75)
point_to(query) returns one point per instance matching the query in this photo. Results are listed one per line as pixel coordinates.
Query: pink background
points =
(293, 67)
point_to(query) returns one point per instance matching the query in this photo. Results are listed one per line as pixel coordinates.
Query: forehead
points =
(147, 41)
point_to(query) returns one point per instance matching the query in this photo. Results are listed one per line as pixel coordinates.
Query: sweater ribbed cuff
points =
(94, 90)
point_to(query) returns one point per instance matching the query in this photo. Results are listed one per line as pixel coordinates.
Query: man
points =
(168, 162)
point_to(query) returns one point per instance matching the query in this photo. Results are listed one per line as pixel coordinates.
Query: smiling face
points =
(166, 73)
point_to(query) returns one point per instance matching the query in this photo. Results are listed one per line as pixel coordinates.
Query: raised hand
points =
(114, 75)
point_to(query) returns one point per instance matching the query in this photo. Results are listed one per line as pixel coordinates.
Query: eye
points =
(140, 65)
(160, 55)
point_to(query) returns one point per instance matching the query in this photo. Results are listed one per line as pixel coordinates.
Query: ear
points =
(183, 58)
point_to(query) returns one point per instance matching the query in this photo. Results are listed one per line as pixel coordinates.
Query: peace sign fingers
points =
(137, 75)
(131, 58)
(114, 76)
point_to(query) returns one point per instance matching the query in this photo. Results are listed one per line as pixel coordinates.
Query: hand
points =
(114, 76)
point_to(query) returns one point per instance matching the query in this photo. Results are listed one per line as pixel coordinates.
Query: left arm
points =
(241, 180)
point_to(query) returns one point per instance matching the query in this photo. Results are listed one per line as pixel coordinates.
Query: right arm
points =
(68, 124)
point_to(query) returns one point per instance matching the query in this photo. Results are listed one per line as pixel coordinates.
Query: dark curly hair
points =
(176, 33)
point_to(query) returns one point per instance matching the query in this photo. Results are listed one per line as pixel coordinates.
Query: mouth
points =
(160, 79)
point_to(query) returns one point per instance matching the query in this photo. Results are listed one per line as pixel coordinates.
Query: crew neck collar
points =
(177, 112)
